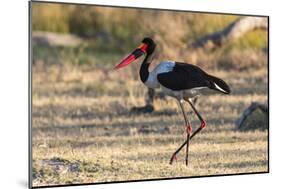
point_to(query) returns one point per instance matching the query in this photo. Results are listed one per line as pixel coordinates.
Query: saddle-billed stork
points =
(182, 81)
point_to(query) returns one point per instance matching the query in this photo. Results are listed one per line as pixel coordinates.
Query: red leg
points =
(188, 129)
(203, 122)
(202, 126)
(188, 132)
(174, 157)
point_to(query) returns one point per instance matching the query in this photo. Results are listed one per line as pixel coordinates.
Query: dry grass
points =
(83, 130)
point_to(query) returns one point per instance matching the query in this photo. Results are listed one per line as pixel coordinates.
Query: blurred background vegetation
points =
(109, 33)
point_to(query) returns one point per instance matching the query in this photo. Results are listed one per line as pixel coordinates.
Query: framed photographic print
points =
(123, 94)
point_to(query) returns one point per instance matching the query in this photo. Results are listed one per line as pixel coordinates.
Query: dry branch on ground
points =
(254, 117)
(232, 32)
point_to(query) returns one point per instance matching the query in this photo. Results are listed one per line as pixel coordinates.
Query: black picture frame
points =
(30, 174)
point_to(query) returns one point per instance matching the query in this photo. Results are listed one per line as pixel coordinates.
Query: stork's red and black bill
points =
(141, 50)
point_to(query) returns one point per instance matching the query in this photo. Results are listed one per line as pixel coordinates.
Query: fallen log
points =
(55, 39)
(254, 117)
(231, 32)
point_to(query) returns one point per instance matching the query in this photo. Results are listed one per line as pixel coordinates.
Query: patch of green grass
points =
(254, 39)
(50, 17)
(204, 24)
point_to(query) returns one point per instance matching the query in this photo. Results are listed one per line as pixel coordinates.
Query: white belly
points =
(163, 67)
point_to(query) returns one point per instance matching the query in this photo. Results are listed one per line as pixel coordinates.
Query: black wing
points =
(187, 76)
(184, 76)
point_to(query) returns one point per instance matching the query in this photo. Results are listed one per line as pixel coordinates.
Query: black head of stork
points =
(147, 47)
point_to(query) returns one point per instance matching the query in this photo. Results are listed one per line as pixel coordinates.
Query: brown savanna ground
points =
(83, 131)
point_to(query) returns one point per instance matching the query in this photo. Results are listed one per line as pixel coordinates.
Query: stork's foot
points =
(143, 109)
(174, 157)
(186, 162)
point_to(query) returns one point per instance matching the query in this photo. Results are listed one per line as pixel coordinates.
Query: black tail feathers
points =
(219, 85)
